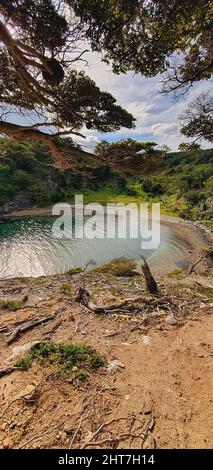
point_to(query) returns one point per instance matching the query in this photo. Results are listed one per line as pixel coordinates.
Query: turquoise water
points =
(28, 248)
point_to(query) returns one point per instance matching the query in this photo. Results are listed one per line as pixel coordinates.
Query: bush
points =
(120, 268)
(73, 271)
(67, 357)
(152, 187)
(12, 305)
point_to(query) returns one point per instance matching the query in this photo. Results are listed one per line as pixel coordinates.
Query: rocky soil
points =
(154, 389)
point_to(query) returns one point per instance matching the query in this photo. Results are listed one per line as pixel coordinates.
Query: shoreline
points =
(193, 236)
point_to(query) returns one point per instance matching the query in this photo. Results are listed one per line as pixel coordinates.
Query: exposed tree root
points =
(83, 297)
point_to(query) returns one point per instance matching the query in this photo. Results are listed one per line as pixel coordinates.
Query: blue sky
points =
(156, 114)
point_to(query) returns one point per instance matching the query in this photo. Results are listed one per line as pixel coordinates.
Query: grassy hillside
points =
(184, 185)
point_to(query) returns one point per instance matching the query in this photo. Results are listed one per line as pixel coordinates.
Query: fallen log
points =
(7, 370)
(30, 325)
(151, 283)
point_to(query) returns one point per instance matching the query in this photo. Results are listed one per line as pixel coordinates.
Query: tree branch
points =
(61, 152)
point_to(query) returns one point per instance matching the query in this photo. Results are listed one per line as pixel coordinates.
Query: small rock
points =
(24, 348)
(200, 355)
(146, 340)
(13, 425)
(7, 443)
(206, 306)
(3, 426)
(171, 320)
(114, 365)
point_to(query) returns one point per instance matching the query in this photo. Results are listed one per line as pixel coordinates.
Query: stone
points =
(146, 340)
(3, 426)
(24, 348)
(7, 443)
(171, 320)
(114, 365)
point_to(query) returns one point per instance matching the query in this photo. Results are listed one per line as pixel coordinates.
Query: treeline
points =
(182, 182)
(28, 177)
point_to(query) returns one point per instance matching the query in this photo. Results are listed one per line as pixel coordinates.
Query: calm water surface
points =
(28, 248)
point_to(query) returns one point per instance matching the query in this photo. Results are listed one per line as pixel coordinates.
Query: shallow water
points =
(28, 248)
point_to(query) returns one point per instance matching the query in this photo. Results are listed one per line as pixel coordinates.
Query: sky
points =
(156, 114)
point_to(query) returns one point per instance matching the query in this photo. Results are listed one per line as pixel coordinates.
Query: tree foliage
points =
(144, 35)
(40, 44)
(197, 120)
(188, 146)
(130, 154)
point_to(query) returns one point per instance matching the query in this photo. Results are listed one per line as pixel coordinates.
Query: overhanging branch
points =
(62, 154)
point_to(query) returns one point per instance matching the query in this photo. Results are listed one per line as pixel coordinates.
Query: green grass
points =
(80, 359)
(109, 195)
(205, 291)
(66, 289)
(122, 268)
(73, 271)
(176, 272)
(11, 305)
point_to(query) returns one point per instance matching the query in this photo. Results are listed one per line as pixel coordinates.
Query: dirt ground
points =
(155, 389)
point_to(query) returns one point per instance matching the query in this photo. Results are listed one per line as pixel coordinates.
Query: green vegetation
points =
(177, 272)
(80, 359)
(182, 181)
(139, 36)
(73, 271)
(28, 178)
(66, 289)
(12, 305)
(206, 291)
(119, 268)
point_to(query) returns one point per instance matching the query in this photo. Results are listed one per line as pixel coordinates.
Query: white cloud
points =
(157, 115)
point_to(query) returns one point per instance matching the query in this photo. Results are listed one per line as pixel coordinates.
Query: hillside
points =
(141, 381)
(183, 185)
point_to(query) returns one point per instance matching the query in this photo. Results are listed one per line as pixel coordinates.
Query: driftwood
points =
(30, 325)
(83, 297)
(193, 266)
(6, 370)
(150, 281)
(127, 306)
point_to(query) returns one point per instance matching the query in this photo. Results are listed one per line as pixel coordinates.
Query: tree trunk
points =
(151, 284)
